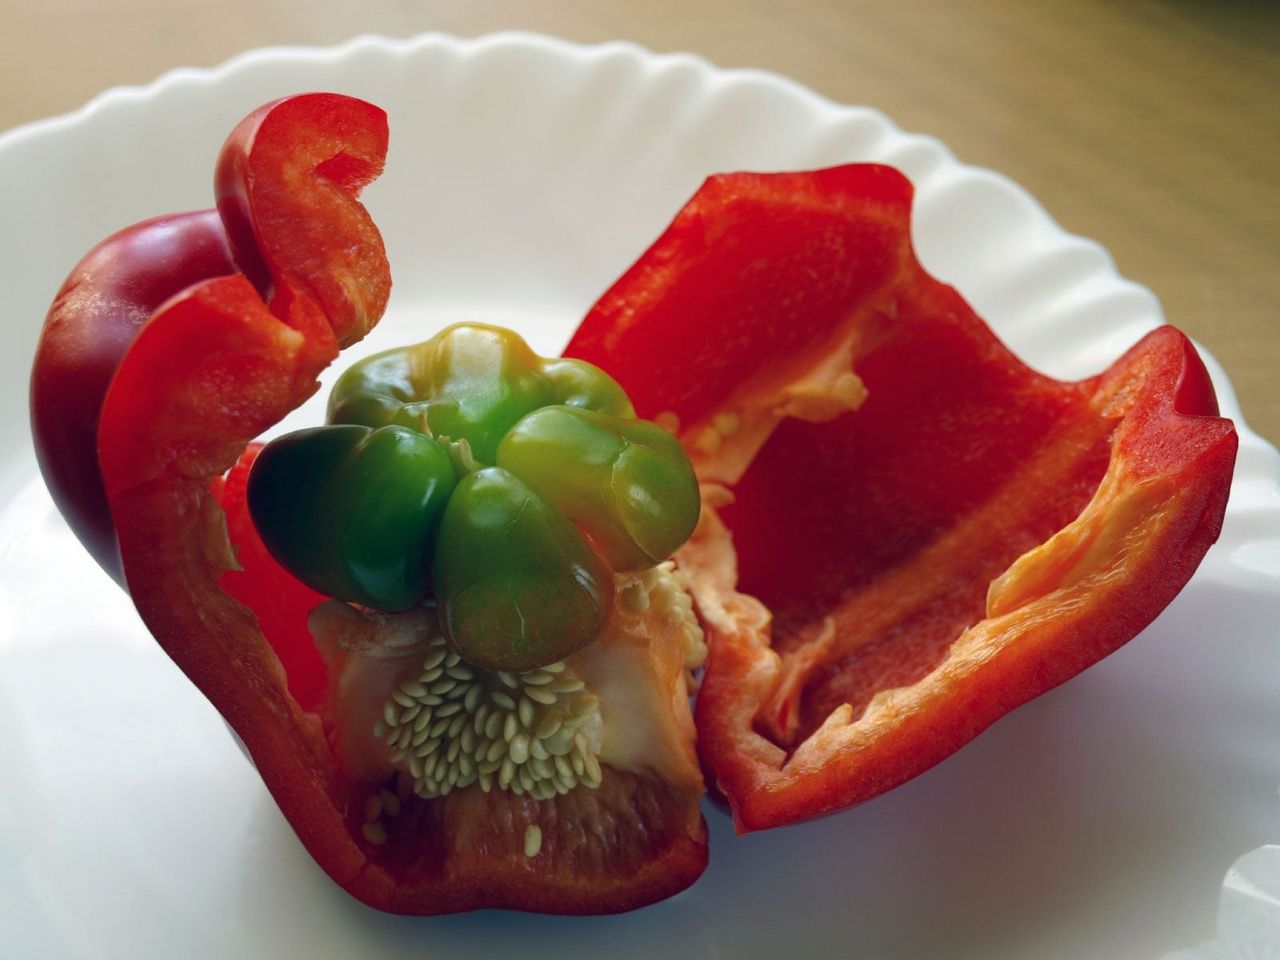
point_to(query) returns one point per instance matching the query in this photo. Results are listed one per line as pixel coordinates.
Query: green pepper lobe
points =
(469, 382)
(628, 483)
(518, 588)
(352, 512)
(579, 384)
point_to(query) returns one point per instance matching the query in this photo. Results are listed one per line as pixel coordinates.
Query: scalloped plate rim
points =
(1264, 465)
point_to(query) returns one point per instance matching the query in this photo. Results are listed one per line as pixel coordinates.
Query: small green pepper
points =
(554, 468)
(517, 586)
(352, 512)
(628, 483)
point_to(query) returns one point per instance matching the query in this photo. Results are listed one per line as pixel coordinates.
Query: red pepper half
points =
(911, 532)
(201, 331)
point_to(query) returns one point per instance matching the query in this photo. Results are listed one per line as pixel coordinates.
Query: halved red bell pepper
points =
(240, 316)
(910, 532)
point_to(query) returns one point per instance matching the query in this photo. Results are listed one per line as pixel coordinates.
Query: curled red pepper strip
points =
(910, 532)
(286, 183)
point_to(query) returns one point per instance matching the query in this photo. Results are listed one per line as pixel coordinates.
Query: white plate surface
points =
(525, 174)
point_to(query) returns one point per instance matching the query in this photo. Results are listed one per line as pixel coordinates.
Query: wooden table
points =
(1153, 127)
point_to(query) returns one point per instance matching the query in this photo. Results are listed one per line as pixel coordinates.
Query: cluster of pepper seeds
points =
(454, 724)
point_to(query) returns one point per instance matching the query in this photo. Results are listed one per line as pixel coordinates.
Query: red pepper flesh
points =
(901, 556)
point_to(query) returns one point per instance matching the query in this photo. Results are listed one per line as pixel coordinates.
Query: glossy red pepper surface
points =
(911, 532)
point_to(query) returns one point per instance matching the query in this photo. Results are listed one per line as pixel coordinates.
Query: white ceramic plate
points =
(524, 175)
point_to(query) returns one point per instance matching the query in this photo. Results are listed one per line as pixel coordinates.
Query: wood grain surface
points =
(1152, 126)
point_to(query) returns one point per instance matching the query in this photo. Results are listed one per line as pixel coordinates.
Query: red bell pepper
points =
(201, 331)
(910, 532)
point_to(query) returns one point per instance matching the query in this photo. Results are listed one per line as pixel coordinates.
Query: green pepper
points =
(518, 587)
(561, 486)
(351, 511)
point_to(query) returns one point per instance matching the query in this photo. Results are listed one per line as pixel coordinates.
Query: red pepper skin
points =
(218, 362)
(882, 585)
(95, 316)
